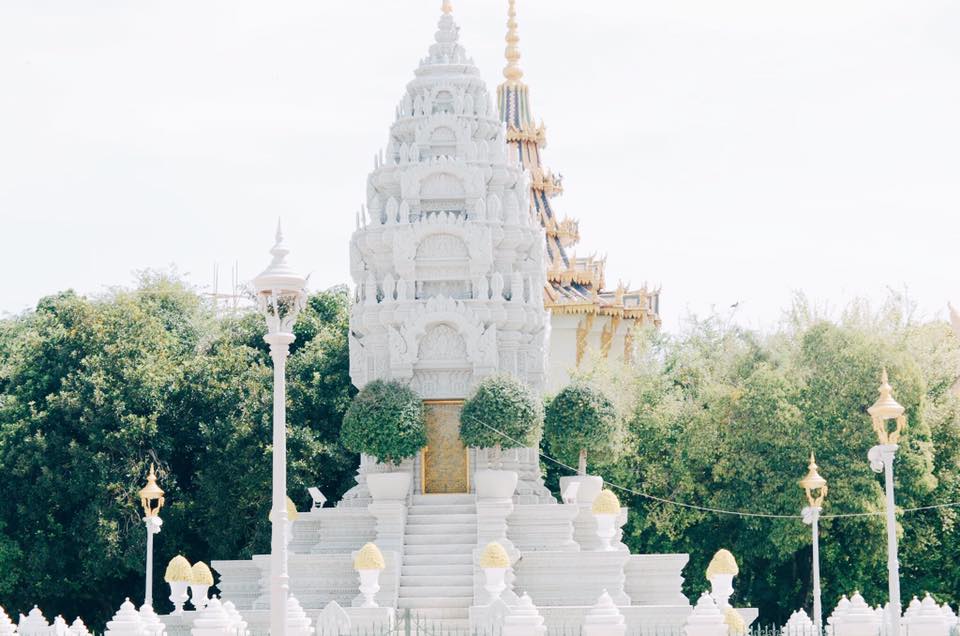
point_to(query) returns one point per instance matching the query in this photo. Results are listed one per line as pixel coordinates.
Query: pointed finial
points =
(447, 7)
(512, 71)
(279, 231)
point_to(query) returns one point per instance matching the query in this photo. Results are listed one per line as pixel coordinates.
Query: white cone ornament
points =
(858, 619)
(928, 620)
(212, 620)
(126, 622)
(78, 628)
(494, 562)
(201, 578)
(912, 610)
(151, 621)
(178, 577)
(836, 618)
(949, 614)
(706, 619)
(606, 510)
(298, 623)
(604, 619)
(799, 624)
(60, 627)
(237, 623)
(524, 620)
(369, 563)
(7, 628)
(34, 623)
(723, 567)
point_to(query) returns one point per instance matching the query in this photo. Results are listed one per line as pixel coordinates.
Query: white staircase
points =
(436, 580)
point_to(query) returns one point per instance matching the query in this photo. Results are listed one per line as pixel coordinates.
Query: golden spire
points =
(512, 71)
(447, 7)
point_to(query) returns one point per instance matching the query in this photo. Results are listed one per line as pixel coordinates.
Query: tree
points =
(725, 418)
(502, 413)
(386, 421)
(94, 390)
(579, 420)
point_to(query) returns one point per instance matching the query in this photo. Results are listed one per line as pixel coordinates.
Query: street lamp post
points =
(816, 489)
(883, 412)
(151, 498)
(281, 295)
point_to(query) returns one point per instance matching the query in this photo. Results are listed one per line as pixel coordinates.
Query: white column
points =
(148, 588)
(817, 605)
(279, 580)
(152, 525)
(889, 452)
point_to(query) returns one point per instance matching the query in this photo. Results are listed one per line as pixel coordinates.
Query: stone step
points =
(431, 603)
(432, 511)
(422, 520)
(433, 591)
(440, 560)
(451, 529)
(434, 548)
(432, 614)
(432, 568)
(440, 500)
(441, 540)
(436, 580)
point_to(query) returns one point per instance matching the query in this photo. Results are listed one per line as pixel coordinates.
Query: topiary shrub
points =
(581, 420)
(501, 403)
(385, 420)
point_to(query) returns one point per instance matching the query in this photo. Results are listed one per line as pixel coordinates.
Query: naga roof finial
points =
(512, 71)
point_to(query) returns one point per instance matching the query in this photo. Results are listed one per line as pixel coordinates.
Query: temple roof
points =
(574, 285)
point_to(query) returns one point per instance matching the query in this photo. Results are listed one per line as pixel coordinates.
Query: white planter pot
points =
(590, 487)
(369, 586)
(495, 484)
(389, 486)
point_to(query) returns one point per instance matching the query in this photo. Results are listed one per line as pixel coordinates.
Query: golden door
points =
(445, 465)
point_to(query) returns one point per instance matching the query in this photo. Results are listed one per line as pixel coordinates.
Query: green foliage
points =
(93, 390)
(501, 403)
(726, 418)
(581, 420)
(386, 421)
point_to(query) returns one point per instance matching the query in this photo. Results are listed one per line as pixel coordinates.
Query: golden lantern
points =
(885, 409)
(151, 495)
(814, 485)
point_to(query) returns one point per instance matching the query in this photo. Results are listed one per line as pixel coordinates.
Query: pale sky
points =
(728, 151)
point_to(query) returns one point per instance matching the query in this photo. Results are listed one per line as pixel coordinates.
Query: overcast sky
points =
(730, 151)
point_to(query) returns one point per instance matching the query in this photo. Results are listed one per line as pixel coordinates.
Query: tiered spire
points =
(574, 285)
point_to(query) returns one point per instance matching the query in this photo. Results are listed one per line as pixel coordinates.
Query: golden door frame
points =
(423, 453)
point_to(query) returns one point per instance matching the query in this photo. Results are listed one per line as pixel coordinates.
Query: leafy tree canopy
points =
(501, 404)
(581, 419)
(93, 390)
(386, 421)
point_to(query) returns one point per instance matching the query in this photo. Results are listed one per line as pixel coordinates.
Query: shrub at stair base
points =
(386, 421)
(581, 420)
(502, 413)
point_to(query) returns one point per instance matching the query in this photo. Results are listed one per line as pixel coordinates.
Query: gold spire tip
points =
(447, 7)
(512, 71)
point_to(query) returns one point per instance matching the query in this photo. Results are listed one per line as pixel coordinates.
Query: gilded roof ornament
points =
(512, 71)
(447, 7)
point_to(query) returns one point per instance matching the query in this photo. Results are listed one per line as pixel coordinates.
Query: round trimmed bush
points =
(385, 420)
(501, 403)
(581, 420)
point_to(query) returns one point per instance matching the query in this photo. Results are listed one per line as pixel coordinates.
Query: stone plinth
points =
(572, 578)
(545, 527)
(656, 579)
